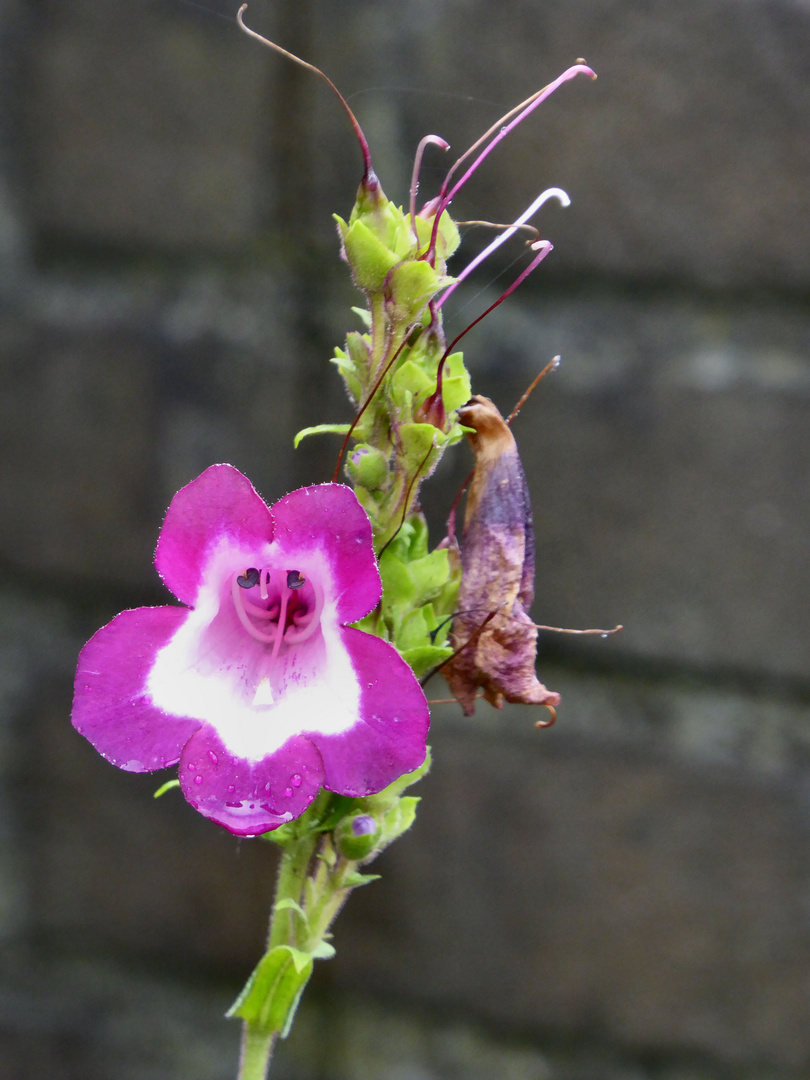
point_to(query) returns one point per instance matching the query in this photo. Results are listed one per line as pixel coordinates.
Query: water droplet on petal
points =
(197, 779)
(267, 787)
(296, 780)
(231, 789)
(213, 756)
(191, 766)
(287, 792)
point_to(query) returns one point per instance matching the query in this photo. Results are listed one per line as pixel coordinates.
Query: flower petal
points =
(111, 705)
(249, 798)
(219, 505)
(389, 737)
(328, 519)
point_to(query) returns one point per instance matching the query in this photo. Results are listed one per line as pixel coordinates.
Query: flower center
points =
(277, 607)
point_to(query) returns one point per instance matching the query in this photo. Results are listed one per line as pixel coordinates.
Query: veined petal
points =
(220, 506)
(389, 737)
(249, 798)
(112, 707)
(328, 520)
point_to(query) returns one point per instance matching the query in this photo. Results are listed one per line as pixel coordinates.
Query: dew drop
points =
(295, 780)
(197, 779)
(231, 789)
(191, 765)
(604, 635)
(213, 756)
(287, 792)
(267, 787)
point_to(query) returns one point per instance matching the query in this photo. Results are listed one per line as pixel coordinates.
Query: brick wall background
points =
(623, 897)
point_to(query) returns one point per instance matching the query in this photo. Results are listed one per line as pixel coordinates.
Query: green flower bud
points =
(367, 466)
(357, 836)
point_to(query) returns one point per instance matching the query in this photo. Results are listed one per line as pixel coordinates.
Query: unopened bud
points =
(357, 836)
(367, 466)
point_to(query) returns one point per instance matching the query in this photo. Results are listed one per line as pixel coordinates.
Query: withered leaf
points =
(497, 580)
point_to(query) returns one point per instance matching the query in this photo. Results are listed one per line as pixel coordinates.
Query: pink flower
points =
(257, 688)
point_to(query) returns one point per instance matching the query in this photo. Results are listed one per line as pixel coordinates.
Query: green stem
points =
(257, 1050)
(257, 1041)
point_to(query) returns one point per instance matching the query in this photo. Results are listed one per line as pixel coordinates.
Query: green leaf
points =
(424, 657)
(415, 443)
(429, 575)
(399, 819)
(356, 881)
(414, 631)
(272, 992)
(409, 378)
(323, 951)
(409, 287)
(288, 902)
(320, 429)
(398, 586)
(369, 258)
(365, 316)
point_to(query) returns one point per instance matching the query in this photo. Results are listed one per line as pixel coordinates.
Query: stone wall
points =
(622, 897)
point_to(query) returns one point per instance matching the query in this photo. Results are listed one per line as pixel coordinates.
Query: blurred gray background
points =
(623, 897)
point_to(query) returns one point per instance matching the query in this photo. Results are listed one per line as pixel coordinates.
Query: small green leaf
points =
(398, 587)
(166, 787)
(320, 429)
(356, 881)
(288, 902)
(399, 819)
(365, 316)
(408, 288)
(369, 258)
(429, 575)
(415, 443)
(424, 657)
(409, 378)
(272, 992)
(323, 951)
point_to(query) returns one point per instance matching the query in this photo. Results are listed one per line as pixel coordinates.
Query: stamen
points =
(304, 620)
(244, 619)
(549, 193)
(296, 634)
(248, 579)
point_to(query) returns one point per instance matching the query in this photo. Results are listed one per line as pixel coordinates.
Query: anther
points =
(248, 579)
(294, 579)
